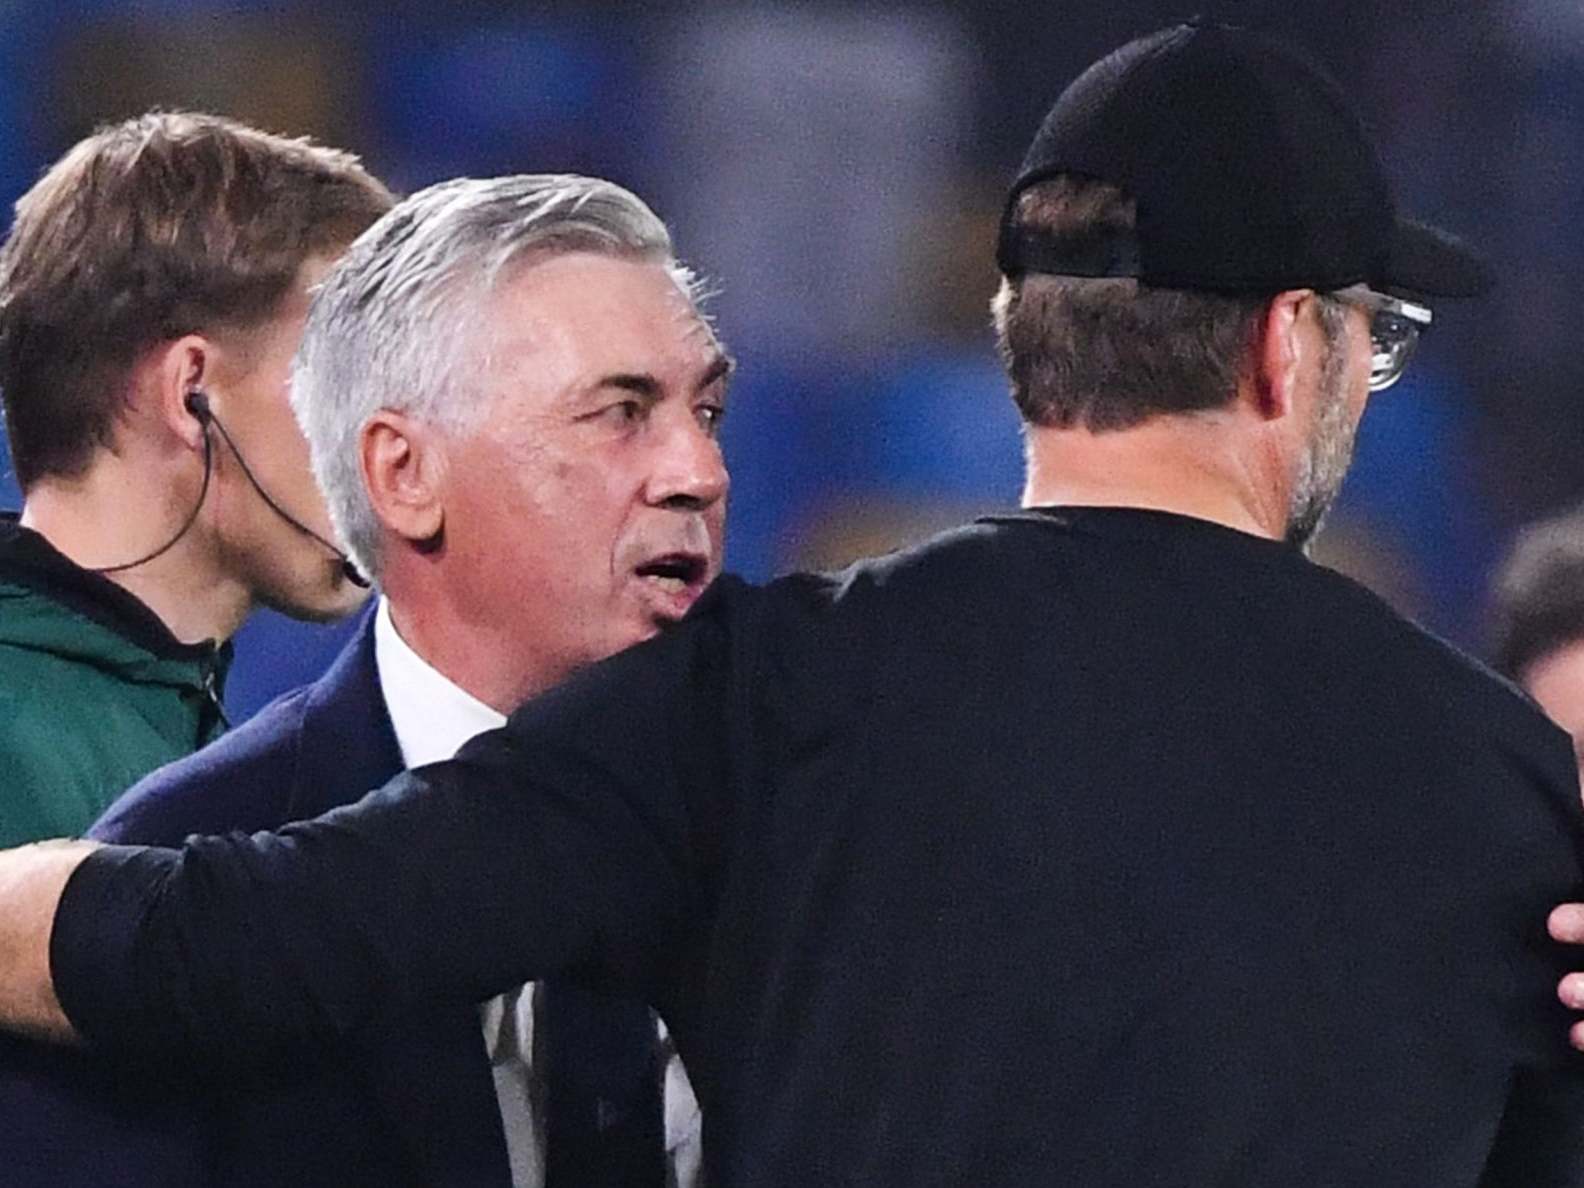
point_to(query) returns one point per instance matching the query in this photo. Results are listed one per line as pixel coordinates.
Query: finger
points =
(1571, 990)
(1576, 1036)
(1566, 923)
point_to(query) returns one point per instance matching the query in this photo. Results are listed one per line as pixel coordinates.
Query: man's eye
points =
(710, 417)
(623, 411)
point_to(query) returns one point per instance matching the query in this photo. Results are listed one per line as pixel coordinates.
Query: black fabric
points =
(604, 1119)
(1090, 847)
(1250, 170)
(30, 561)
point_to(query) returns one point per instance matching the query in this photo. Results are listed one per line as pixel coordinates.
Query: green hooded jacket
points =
(95, 692)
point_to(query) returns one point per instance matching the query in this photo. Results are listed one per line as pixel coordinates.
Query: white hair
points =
(395, 323)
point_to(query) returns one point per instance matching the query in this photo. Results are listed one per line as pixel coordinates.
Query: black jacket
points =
(1092, 847)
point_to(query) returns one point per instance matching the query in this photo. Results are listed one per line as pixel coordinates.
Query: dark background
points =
(836, 168)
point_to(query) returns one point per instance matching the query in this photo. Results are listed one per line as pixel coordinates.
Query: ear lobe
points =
(1279, 353)
(402, 465)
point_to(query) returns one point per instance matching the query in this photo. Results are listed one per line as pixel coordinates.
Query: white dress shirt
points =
(433, 717)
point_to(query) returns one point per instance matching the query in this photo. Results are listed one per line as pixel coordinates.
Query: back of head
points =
(157, 227)
(1539, 595)
(399, 322)
(1104, 353)
(1176, 186)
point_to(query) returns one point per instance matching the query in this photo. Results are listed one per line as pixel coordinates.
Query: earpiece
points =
(198, 404)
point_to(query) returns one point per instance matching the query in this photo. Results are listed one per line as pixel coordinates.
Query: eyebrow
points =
(639, 383)
(721, 368)
(642, 383)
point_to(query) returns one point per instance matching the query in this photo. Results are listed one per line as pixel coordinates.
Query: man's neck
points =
(1194, 465)
(115, 514)
(486, 669)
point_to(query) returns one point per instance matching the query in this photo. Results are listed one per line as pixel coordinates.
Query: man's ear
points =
(170, 373)
(1280, 352)
(403, 465)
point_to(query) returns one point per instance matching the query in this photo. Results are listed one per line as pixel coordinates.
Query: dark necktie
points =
(601, 1062)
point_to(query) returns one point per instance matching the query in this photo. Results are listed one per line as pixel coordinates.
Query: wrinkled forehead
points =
(597, 311)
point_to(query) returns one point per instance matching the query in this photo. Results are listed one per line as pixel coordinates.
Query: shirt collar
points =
(431, 714)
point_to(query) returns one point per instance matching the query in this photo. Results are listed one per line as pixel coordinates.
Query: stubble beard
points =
(1329, 452)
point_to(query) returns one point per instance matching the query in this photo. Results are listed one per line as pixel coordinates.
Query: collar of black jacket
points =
(30, 561)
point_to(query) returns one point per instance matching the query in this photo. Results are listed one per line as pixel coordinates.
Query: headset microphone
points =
(198, 404)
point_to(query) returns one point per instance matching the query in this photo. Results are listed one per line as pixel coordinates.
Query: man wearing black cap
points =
(1108, 842)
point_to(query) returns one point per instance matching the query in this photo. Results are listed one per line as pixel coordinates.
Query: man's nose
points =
(689, 470)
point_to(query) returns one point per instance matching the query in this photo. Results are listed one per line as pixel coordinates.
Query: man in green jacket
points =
(152, 292)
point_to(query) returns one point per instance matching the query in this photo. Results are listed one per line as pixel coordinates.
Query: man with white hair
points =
(511, 402)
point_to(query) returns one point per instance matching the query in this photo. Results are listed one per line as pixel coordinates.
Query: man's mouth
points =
(675, 573)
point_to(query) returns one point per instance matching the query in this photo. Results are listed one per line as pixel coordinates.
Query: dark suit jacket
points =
(1087, 847)
(416, 1106)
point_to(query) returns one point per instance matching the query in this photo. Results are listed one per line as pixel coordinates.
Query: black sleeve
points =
(579, 833)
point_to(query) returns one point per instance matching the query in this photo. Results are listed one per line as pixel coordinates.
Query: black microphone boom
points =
(198, 404)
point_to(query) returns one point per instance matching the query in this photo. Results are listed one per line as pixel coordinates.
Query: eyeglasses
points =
(1395, 325)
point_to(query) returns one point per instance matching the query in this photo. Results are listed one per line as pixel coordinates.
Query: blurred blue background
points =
(836, 169)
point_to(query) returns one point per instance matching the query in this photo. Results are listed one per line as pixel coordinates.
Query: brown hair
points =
(164, 225)
(1109, 353)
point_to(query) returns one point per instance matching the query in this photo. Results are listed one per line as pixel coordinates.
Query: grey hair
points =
(394, 325)
(1328, 454)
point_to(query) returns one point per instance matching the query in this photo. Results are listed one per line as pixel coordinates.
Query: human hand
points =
(1566, 924)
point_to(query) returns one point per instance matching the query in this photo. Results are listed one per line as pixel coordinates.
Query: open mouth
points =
(675, 571)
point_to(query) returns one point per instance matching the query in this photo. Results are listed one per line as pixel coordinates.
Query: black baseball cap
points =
(1250, 170)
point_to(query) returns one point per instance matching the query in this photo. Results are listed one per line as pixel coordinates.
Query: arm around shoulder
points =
(561, 839)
